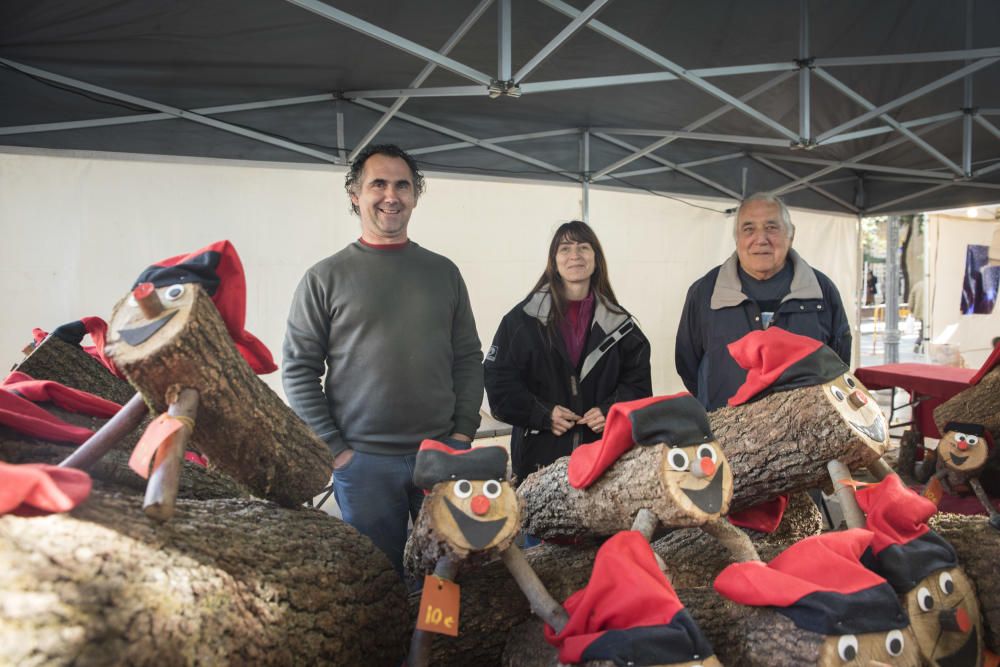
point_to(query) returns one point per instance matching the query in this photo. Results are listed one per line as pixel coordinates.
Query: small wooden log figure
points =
(961, 456)
(179, 339)
(776, 362)
(923, 569)
(470, 508)
(678, 472)
(629, 614)
(820, 606)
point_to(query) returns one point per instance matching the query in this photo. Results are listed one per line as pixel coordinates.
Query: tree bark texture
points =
(979, 404)
(243, 427)
(978, 549)
(226, 582)
(782, 443)
(55, 359)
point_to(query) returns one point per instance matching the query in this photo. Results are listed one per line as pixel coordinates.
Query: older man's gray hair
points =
(768, 198)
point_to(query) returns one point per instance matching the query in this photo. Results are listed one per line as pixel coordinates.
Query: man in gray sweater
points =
(391, 325)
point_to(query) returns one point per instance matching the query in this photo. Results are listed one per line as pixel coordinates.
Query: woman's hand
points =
(563, 419)
(593, 418)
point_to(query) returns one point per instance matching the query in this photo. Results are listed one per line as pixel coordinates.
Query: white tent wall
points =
(949, 237)
(78, 228)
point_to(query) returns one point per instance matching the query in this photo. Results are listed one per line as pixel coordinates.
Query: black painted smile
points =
(875, 430)
(708, 499)
(959, 460)
(968, 654)
(139, 335)
(477, 533)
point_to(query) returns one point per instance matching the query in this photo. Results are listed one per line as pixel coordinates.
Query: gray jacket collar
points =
(539, 306)
(728, 291)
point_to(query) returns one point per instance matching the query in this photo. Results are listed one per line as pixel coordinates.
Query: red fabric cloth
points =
(230, 297)
(765, 355)
(576, 325)
(896, 514)
(18, 412)
(384, 246)
(31, 489)
(764, 517)
(626, 590)
(74, 400)
(991, 363)
(588, 462)
(98, 330)
(828, 562)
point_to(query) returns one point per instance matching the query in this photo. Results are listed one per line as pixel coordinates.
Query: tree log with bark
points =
(243, 427)
(227, 582)
(979, 404)
(65, 363)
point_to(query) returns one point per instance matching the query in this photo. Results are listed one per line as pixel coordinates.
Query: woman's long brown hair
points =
(577, 232)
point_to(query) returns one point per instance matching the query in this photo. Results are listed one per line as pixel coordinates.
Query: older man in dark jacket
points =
(764, 283)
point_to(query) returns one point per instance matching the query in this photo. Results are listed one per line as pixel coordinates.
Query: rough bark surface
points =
(781, 444)
(232, 582)
(55, 359)
(978, 549)
(243, 427)
(979, 404)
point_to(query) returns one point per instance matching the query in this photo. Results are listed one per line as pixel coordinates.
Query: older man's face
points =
(762, 242)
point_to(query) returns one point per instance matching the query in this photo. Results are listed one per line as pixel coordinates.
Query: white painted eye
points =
(174, 292)
(678, 460)
(924, 599)
(894, 643)
(463, 488)
(971, 439)
(946, 583)
(492, 489)
(847, 647)
(837, 394)
(960, 437)
(707, 452)
(849, 379)
(132, 302)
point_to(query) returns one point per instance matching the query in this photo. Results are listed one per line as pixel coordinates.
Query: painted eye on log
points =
(174, 292)
(971, 439)
(894, 642)
(463, 488)
(847, 647)
(924, 599)
(851, 382)
(492, 489)
(961, 437)
(837, 394)
(707, 452)
(946, 583)
(678, 460)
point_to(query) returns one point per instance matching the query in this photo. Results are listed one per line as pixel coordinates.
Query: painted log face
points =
(963, 453)
(859, 409)
(944, 614)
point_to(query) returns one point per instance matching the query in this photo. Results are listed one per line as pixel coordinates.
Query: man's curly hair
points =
(353, 178)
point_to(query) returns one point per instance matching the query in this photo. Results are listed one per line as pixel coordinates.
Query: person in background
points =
(564, 355)
(764, 283)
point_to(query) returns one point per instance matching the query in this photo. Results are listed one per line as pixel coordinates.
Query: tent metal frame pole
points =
(676, 167)
(698, 136)
(986, 170)
(913, 179)
(912, 195)
(899, 101)
(906, 58)
(172, 111)
(988, 126)
(862, 166)
(704, 120)
(340, 137)
(444, 91)
(967, 96)
(885, 129)
(461, 145)
(578, 22)
(805, 96)
(989, 112)
(391, 39)
(420, 122)
(892, 122)
(668, 65)
(504, 66)
(660, 170)
(891, 290)
(450, 44)
(585, 174)
(812, 186)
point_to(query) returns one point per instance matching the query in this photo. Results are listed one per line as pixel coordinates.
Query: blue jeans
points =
(376, 495)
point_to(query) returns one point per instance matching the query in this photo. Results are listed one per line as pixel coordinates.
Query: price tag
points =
(934, 491)
(439, 606)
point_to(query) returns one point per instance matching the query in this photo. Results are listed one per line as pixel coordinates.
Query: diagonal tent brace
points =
(574, 26)
(815, 188)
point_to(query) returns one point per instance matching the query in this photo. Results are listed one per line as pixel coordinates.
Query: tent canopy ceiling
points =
(851, 106)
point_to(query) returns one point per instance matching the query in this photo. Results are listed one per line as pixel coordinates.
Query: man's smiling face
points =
(385, 197)
(762, 241)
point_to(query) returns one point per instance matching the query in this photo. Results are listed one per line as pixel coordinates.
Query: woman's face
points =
(575, 261)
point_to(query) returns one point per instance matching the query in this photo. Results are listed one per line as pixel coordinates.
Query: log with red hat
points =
(961, 458)
(979, 403)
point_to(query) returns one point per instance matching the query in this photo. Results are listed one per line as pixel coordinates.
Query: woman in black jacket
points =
(564, 355)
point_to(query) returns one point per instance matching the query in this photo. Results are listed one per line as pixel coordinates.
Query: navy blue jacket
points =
(717, 312)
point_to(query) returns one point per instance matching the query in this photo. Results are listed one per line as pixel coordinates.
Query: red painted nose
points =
(858, 398)
(962, 445)
(480, 505)
(707, 467)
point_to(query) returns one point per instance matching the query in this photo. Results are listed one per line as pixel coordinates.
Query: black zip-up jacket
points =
(717, 312)
(527, 375)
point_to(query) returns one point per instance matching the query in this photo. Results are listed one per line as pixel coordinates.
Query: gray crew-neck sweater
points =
(393, 331)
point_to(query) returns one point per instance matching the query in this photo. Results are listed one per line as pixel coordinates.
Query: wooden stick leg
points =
(542, 603)
(105, 438)
(980, 492)
(161, 490)
(645, 522)
(880, 469)
(420, 642)
(853, 515)
(732, 538)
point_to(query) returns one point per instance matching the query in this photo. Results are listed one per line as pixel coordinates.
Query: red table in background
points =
(928, 385)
